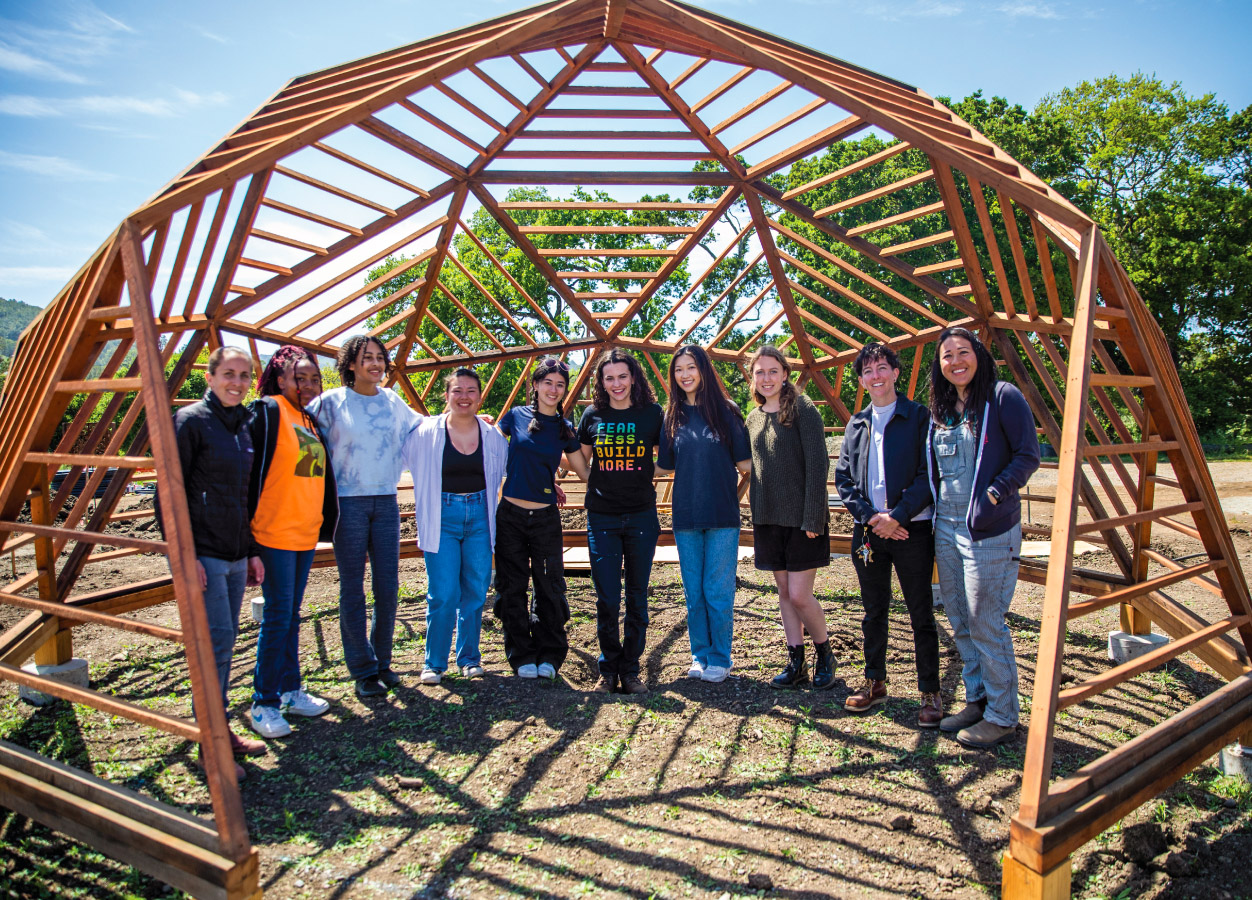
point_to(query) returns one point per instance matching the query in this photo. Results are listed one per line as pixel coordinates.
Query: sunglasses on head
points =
(549, 363)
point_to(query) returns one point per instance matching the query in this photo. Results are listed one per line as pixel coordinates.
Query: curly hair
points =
(351, 350)
(283, 361)
(944, 396)
(787, 395)
(641, 393)
(714, 405)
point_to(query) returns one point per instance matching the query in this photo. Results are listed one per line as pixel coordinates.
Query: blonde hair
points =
(787, 395)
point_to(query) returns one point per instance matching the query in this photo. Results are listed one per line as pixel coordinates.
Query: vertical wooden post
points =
(1133, 620)
(59, 648)
(1017, 882)
(219, 763)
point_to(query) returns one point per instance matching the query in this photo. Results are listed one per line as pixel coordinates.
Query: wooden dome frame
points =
(191, 268)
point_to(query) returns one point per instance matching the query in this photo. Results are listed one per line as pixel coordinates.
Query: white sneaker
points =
(546, 670)
(269, 722)
(430, 676)
(298, 703)
(530, 670)
(474, 671)
(715, 673)
(696, 671)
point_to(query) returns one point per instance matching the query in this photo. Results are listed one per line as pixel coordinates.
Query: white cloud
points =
(51, 166)
(110, 106)
(917, 9)
(205, 33)
(1026, 10)
(12, 60)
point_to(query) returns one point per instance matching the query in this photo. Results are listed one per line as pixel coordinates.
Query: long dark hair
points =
(943, 395)
(284, 360)
(787, 395)
(544, 367)
(641, 393)
(349, 352)
(711, 400)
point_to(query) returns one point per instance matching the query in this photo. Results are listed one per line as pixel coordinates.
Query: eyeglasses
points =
(551, 362)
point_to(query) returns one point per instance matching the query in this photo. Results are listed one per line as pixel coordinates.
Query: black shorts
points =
(784, 548)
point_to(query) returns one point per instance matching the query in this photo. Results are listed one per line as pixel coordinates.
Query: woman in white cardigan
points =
(457, 461)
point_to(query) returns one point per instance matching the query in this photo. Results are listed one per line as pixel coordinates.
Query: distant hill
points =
(14, 316)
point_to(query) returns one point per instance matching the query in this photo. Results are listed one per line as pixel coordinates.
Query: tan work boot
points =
(870, 694)
(931, 713)
(971, 714)
(984, 735)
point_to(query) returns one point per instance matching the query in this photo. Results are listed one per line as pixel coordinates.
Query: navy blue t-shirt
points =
(705, 477)
(530, 471)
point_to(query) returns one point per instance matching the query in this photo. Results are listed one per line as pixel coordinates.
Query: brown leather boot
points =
(246, 746)
(931, 713)
(631, 684)
(605, 684)
(870, 694)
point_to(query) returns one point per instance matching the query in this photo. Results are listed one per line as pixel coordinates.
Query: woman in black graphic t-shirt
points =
(619, 434)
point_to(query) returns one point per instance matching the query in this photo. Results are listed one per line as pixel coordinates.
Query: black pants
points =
(528, 548)
(914, 561)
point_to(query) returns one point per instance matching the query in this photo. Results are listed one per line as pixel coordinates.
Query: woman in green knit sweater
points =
(790, 518)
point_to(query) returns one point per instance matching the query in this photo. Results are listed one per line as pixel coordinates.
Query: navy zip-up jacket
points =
(1008, 454)
(903, 456)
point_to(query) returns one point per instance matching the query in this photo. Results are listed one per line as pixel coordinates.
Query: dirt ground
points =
(501, 787)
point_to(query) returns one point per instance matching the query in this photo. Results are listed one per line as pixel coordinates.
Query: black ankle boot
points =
(823, 666)
(797, 671)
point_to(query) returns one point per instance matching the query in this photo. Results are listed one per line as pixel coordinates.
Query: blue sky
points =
(102, 103)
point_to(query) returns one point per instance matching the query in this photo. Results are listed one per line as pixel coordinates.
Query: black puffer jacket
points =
(215, 449)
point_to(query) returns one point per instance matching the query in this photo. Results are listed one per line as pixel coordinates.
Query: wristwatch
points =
(994, 495)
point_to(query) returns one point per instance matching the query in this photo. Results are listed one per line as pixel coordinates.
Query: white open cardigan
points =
(423, 455)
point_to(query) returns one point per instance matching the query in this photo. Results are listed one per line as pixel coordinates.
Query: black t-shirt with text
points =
(623, 441)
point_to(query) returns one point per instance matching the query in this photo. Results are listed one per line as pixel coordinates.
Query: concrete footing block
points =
(1124, 646)
(73, 673)
(257, 608)
(936, 597)
(1237, 760)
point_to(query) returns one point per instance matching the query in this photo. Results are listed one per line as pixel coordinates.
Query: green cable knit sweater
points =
(789, 467)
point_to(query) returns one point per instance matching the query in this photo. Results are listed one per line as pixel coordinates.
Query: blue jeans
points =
(457, 578)
(977, 580)
(223, 596)
(611, 540)
(707, 558)
(278, 646)
(368, 526)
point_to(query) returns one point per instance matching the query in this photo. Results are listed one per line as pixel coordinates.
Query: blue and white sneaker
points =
(546, 670)
(269, 722)
(299, 703)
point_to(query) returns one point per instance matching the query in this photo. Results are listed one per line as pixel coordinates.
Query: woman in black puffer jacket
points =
(215, 450)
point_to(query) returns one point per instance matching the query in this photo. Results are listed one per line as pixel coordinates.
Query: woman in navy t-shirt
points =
(528, 525)
(705, 444)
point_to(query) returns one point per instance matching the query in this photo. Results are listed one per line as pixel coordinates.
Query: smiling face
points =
(879, 380)
(687, 376)
(230, 381)
(616, 380)
(369, 368)
(300, 383)
(767, 378)
(551, 390)
(464, 396)
(958, 363)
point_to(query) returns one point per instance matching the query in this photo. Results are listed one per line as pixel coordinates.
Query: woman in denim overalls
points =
(983, 448)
